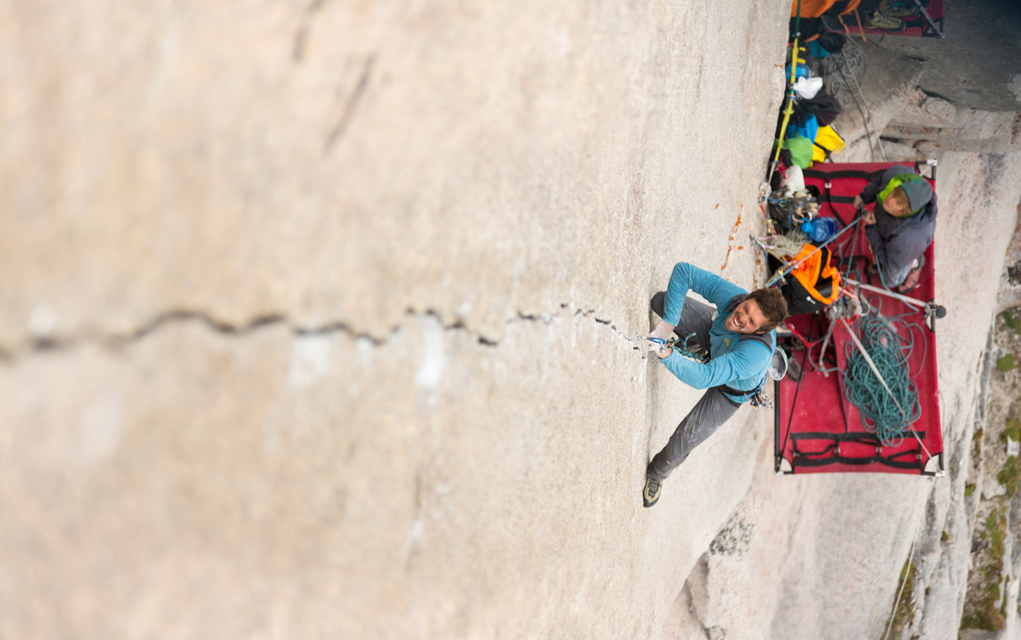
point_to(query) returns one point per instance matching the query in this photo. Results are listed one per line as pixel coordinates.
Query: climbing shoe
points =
(911, 281)
(900, 10)
(877, 20)
(653, 488)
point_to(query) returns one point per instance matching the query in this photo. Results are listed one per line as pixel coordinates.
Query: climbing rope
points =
(688, 347)
(850, 63)
(890, 410)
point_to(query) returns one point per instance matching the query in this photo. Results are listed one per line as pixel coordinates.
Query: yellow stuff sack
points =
(827, 143)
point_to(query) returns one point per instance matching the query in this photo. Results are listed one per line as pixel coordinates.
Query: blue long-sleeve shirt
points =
(739, 361)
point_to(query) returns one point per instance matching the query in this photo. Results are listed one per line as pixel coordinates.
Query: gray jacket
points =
(897, 242)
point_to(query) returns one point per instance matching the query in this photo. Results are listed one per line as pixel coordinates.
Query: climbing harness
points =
(690, 349)
(777, 371)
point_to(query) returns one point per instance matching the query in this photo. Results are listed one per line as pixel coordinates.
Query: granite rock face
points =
(323, 319)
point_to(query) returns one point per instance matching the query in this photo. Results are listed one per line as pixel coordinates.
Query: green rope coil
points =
(889, 351)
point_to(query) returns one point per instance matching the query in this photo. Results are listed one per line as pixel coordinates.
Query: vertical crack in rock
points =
(695, 596)
(301, 37)
(347, 113)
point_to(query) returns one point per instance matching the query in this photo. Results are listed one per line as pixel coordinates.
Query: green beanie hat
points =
(919, 194)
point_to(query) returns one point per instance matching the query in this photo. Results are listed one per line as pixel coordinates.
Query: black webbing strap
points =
(777, 452)
(828, 176)
(801, 461)
(826, 456)
(740, 392)
(862, 437)
(840, 199)
(826, 152)
(846, 173)
(830, 199)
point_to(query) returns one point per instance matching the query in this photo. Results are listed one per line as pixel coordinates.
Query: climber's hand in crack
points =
(662, 331)
(661, 351)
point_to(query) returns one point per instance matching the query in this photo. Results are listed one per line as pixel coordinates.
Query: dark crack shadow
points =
(218, 326)
(118, 341)
(350, 105)
(301, 37)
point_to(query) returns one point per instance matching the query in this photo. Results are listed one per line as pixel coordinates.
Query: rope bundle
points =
(889, 351)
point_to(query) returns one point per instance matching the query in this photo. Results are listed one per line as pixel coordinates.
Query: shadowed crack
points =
(347, 113)
(301, 37)
(629, 339)
(933, 94)
(118, 340)
(180, 316)
(214, 324)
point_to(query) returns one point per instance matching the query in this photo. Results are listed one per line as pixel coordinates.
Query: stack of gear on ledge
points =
(804, 131)
(797, 247)
(807, 136)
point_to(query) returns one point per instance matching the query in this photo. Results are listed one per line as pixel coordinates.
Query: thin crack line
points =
(301, 37)
(180, 316)
(349, 107)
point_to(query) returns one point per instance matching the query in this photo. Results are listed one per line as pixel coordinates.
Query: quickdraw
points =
(761, 401)
(694, 352)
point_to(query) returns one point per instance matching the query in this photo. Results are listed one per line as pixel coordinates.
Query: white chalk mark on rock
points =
(100, 430)
(434, 358)
(363, 350)
(310, 360)
(42, 321)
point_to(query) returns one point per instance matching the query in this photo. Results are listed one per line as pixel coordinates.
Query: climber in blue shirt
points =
(738, 341)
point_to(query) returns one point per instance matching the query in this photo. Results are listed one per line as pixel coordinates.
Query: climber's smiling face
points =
(747, 317)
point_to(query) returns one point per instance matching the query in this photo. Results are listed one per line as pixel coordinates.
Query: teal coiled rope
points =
(889, 351)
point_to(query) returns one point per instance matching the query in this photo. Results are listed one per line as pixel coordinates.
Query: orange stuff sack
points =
(815, 8)
(816, 282)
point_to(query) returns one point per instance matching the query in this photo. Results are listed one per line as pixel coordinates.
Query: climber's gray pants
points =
(701, 422)
(709, 413)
